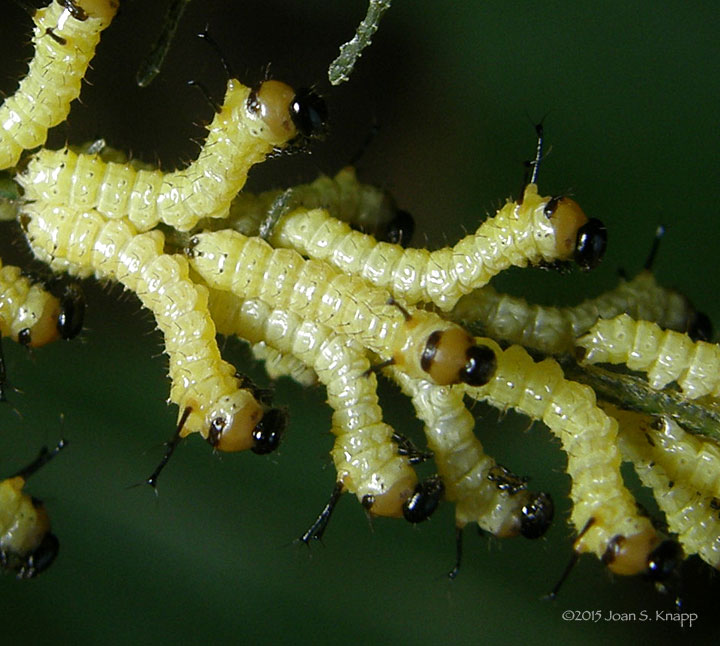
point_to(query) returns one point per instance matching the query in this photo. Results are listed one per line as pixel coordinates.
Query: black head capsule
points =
(480, 367)
(72, 312)
(40, 559)
(424, 500)
(590, 244)
(700, 327)
(269, 431)
(663, 562)
(400, 229)
(309, 113)
(537, 516)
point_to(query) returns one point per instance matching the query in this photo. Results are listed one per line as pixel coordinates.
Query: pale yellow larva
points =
(417, 341)
(250, 125)
(664, 355)
(534, 230)
(553, 330)
(65, 36)
(468, 473)
(84, 243)
(604, 512)
(365, 456)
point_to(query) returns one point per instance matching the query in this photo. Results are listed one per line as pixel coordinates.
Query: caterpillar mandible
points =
(534, 230)
(85, 243)
(27, 546)
(604, 512)
(250, 124)
(366, 457)
(664, 354)
(417, 341)
(65, 36)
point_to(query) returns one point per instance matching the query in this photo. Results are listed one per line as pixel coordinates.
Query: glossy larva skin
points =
(553, 330)
(250, 268)
(28, 313)
(237, 139)
(279, 365)
(664, 355)
(682, 471)
(461, 462)
(54, 74)
(588, 437)
(364, 206)
(364, 454)
(520, 234)
(85, 243)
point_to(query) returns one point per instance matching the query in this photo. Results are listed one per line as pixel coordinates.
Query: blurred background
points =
(629, 94)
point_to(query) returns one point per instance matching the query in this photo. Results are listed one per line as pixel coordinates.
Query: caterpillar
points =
(363, 206)
(604, 512)
(27, 546)
(366, 457)
(227, 415)
(682, 471)
(419, 342)
(664, 354)
(65, 36)
(250, 124)
(472, 479)
(283, 365)
(534, 230)
(31, 315)
(553, 330)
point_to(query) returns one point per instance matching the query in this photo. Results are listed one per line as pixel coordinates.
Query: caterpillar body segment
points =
(365, 455)
(27, 546)
(65, 37)
(84, 243)
(279, 365)
(553, 330)
(363, 206)
(681, 470)
(604, 512)
(466, 471)
(417, 341)
(664, 355)
(248, 127)
(532, 231)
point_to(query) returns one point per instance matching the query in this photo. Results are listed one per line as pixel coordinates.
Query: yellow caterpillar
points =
(536, 229)
(472, 479)
(604, 512)
(27, 546)
(365, 456)
(250, 124)
(553, 330)
(417, 341)
(31, 315)
(682, 471)
(665, 355)
(85, 243)
(65, 36)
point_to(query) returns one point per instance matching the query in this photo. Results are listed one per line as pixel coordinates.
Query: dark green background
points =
(630, 93)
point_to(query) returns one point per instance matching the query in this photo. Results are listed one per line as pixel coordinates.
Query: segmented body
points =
(664, 355)
(553, 330)
(682, 471)
(365, 456)
(85, 243)
(250, 268)
(65, 37)
(520, 234)
(466, 470)
(604, 512)
(248, 127)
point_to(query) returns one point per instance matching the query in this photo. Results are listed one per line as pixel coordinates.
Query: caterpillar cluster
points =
(319, 277)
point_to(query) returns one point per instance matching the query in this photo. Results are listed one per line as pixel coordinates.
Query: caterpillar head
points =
(286, 115)
(28, 565)
(451, 356)
(424, 500)
(577, 237)
(103, 10)
(72, 312)
(643, 553)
